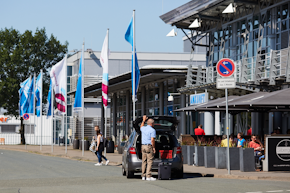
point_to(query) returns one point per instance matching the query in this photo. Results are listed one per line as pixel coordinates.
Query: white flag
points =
(58, 77)
(104, 59)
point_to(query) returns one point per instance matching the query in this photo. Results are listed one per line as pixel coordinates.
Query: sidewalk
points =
(116, 160)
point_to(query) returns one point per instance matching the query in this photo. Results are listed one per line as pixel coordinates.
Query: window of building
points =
(29, 129)
(9, 128)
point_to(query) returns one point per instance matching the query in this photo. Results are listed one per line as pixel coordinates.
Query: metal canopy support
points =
(222, 47)
(244, 66)
(209, 17)
(247, 2)
(288, 60)
(210, 68)
(274, 65)
(189, 75)
(199, 76)
(260, 67)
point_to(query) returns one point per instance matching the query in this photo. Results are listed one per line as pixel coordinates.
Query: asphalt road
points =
(26, 172)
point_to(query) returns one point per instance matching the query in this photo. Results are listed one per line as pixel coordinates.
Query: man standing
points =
(199, 131)
(148, 135)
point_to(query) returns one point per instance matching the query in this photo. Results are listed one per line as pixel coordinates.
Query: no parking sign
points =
(26, 116)
(225, 68)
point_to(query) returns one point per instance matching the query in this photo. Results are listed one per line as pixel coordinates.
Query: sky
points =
(76, 20)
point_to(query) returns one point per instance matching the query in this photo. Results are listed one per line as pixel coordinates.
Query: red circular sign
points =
(225, 67)
(26, 116)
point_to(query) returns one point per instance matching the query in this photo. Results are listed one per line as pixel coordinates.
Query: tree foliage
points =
(22, 55)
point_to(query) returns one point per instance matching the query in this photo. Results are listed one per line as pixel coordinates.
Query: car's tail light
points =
(178, 150)
(132, 150)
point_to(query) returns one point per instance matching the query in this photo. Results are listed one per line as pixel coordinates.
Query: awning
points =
(210, 103)
(277, 101)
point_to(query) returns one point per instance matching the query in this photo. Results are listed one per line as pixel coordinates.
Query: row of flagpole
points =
(58, 87)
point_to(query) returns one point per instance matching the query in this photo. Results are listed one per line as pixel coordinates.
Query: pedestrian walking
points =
(100, 147)
(148, 135)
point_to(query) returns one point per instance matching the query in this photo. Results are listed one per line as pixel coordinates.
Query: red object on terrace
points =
(165, 154)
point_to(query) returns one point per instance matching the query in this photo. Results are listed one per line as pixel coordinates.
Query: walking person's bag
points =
(93, 146)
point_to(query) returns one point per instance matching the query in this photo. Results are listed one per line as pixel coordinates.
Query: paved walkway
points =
(115, 159)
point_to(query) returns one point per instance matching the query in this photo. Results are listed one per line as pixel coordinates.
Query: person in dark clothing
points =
(99, 147)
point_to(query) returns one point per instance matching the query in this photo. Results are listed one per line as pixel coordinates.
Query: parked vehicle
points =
(165, 140)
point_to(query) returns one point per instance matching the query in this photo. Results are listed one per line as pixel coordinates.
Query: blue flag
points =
(49, 101)
(23, 95)
(129, 38)
(30, 98)
(78, 104)
(38, 94)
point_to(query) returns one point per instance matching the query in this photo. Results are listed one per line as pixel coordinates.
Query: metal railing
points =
(271, 66)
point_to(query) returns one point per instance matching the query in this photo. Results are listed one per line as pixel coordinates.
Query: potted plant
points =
(86, 144)
(184, 151)
(209, 154)
(190, 153)
(234, 157)
(76, 142)
(199, 152)
(110, 145)
(247, 158)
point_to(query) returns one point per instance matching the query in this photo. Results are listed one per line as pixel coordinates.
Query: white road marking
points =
(253, 192)
(275, 191)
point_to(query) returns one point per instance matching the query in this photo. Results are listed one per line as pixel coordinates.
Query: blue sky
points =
(73, 21)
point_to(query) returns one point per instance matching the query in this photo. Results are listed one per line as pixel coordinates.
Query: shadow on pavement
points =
(185, 176)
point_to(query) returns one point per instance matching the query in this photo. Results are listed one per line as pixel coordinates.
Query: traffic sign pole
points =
(227, 126)
(226, 68)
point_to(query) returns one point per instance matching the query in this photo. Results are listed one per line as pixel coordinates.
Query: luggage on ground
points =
(164, 171)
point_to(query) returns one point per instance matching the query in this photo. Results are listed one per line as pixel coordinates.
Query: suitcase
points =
(164, 171)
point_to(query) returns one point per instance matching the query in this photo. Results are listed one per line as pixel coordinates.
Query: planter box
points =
(110, 147)
(209, 157)
(247, 160)
(190, 152)
(220, 157)
(184, 153)
(121, 147)
(199, 156)
(76, 143)
(86, 145)
(234, 158)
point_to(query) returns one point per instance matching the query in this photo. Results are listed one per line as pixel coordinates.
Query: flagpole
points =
(133, 67)
(105, 108)
(41, 110)
(83, 107)
(51, 111)
(29, 119)
(34, 109)
(65, 129)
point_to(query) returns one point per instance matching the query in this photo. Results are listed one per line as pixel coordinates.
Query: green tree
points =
(22, 55)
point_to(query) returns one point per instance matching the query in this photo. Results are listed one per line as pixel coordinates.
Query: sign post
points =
(226, 68)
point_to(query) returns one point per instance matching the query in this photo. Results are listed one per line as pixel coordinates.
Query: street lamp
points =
(195, 24)
(230, 9)
(172, 33)
(170, 96)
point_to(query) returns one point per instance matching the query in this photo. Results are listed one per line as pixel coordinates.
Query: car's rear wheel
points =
(123, 171)
(179, 173)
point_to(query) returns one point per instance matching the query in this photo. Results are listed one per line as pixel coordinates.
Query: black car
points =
(165, 141)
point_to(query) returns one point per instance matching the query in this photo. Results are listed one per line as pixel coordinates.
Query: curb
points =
(60, 155)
